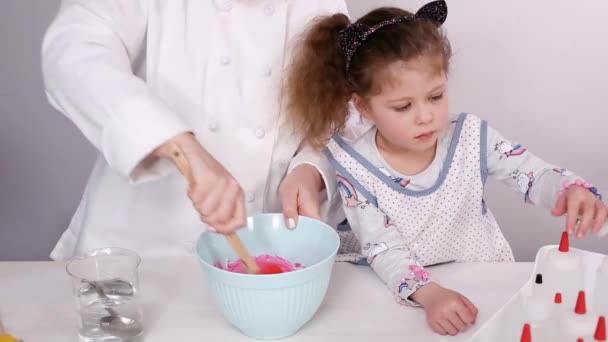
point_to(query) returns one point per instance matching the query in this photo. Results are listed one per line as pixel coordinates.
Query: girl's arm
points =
(543, 184)
(385, 249)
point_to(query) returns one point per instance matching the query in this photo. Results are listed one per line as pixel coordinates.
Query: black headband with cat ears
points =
(354, 35)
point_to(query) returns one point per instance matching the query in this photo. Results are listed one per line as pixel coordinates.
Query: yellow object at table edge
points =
(8, 338)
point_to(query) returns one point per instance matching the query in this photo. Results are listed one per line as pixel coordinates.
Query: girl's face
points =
(411, 110)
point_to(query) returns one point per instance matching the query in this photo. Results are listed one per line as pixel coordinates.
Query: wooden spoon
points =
(235, 242)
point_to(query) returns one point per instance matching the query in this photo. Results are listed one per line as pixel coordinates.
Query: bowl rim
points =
(277, 275)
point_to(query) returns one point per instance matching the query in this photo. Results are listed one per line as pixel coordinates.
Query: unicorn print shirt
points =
(402, 223)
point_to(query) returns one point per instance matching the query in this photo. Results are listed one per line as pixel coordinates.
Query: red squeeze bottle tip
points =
(526, 334)
(564, 243)
(558, 298)
(581, 304)
(600, 330)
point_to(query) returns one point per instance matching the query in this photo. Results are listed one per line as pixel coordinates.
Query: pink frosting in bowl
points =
(269, 264)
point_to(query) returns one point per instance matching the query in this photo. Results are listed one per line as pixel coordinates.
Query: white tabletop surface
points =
(36, 303)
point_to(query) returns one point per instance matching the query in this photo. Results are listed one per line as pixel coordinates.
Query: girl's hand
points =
(299, 193)
(577, 201)
(447, 311)
(214, 192)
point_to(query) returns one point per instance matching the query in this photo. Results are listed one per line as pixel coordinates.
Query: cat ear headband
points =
(352, 37)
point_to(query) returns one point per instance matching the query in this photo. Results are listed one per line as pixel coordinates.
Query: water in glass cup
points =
(105, 284)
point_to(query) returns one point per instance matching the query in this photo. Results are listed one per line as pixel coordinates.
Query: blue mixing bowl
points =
(277, 305)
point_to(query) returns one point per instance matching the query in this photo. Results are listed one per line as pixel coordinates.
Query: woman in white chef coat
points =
(136, 76)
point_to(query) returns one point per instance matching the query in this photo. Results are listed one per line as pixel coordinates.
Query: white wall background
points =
(44, 160)
(536, 70)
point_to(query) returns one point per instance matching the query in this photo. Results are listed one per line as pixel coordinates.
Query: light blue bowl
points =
(277, 305)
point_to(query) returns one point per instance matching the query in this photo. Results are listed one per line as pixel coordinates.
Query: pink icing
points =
(268, 265)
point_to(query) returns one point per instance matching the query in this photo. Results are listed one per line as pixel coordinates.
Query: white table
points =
(36, 303)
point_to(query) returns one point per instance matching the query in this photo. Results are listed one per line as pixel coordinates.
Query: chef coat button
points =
(267, 71)
(213, 125)
(269, 9)
(260, 133)
(250, 196)
(225, 60)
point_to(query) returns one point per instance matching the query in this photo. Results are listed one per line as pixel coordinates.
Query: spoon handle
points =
(236, 244)
(103, 296)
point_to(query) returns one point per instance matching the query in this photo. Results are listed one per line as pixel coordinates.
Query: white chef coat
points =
(131, 74)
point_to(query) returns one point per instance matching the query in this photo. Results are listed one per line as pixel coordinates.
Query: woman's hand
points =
(214, 192)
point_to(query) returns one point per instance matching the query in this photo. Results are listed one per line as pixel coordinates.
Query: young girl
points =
(412, 185)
